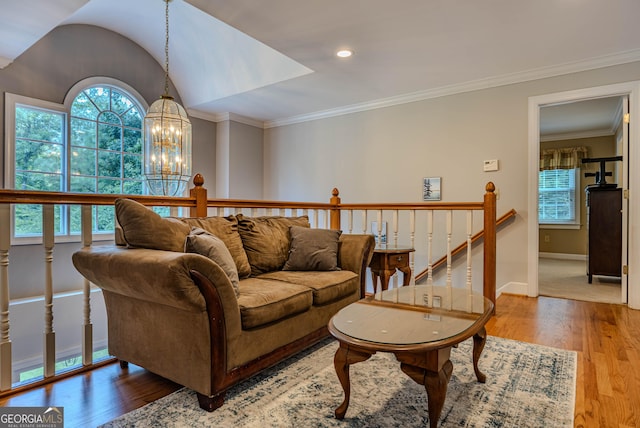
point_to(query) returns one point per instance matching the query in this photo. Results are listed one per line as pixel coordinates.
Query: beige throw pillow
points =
(313, 249)
(202, 242)
(144, 228)
(225, 228)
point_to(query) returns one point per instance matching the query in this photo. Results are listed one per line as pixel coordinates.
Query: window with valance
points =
(558, 186)
(564, 158)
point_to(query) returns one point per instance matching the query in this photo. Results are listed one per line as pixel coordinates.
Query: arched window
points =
(105, 149)
(91, 144)
(105, 142)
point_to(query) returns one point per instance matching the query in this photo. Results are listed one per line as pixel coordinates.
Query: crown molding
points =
(616, 121)
(475, 85)
(577, 135)
(222, 117)
(4, 61)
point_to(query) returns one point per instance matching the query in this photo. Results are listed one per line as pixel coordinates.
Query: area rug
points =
(527, 386)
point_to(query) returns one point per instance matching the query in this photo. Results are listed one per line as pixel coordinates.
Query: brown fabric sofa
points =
(209, 324)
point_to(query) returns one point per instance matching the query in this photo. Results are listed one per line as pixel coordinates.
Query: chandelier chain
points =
(166, 49)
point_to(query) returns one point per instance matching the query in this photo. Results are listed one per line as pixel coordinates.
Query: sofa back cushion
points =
(313, 249)
(225, 228)
(266, 240)
(144, 228)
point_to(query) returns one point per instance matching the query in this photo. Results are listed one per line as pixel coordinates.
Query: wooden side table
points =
(386, 259)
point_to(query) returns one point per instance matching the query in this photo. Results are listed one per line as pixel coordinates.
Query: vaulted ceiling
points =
(275, 60)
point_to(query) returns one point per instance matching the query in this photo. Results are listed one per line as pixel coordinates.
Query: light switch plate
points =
(491, 165)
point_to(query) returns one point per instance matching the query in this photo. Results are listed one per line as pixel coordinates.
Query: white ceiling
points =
(280, 66)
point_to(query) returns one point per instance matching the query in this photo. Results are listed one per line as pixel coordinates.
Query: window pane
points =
(38, 181)
(41, 125)
(83, 185)
(108, 117)
(557, 196)
(109, 186)
(132, 187)
(109, 137)
(120, 103)
(100, 96)
(132, 166)
(83, 161)
(109, 164)
(83, 133)
(132, 141)
(105, 219)
(132, 118)
(28, 220)
(83, 107)
(35, 156)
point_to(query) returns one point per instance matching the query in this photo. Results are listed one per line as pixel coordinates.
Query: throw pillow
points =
(225, 228)
(144, 228)
(202, 242)
(313, 249)
(266, 240)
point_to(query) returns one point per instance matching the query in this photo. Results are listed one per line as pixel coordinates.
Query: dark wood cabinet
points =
(604, 223)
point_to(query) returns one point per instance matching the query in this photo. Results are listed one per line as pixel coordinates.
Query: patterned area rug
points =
(527, 386)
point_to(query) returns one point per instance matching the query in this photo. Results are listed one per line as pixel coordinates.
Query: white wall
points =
(382, 155)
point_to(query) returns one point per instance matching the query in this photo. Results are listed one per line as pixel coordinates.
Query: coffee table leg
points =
(479, 339)
(345, 356)
(435, 383)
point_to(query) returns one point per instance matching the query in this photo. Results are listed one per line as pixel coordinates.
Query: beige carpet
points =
(568, 279)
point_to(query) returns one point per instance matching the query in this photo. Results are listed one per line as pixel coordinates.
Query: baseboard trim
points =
(513, 288)
(563, 256)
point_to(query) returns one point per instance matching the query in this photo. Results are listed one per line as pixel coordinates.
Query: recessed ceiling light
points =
(344, 53)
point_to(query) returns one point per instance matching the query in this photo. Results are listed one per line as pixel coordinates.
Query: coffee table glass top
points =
(402, 316)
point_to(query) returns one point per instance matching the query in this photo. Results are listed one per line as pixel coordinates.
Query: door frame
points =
(630, 89)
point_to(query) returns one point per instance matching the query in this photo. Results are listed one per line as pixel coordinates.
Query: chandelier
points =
(167, 138)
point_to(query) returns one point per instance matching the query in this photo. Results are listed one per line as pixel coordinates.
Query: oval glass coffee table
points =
(401, 321)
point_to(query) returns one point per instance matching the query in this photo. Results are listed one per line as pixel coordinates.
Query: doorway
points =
(630, 287)
(592, 129)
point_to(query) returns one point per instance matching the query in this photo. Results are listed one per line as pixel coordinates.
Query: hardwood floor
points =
(606, 337)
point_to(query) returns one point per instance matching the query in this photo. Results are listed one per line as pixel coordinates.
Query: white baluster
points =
(365, 226)
(5, 342)
(49, 335)
(395, 227)
(449, 224)
(379, 240)
(469, 285)
(87, 327)
(350, 221)
(412, 241)
(430, 257)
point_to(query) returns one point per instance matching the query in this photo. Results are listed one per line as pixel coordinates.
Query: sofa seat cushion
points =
(263, 301)
(327, 286)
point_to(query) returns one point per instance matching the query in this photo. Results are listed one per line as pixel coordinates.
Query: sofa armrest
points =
(354, 254)
(161, 277)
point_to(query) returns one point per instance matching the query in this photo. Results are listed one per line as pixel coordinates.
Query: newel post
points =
(335, 210)
(489, 280)
(200, 194)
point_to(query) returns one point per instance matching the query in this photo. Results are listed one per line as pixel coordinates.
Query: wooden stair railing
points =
(460, 248)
